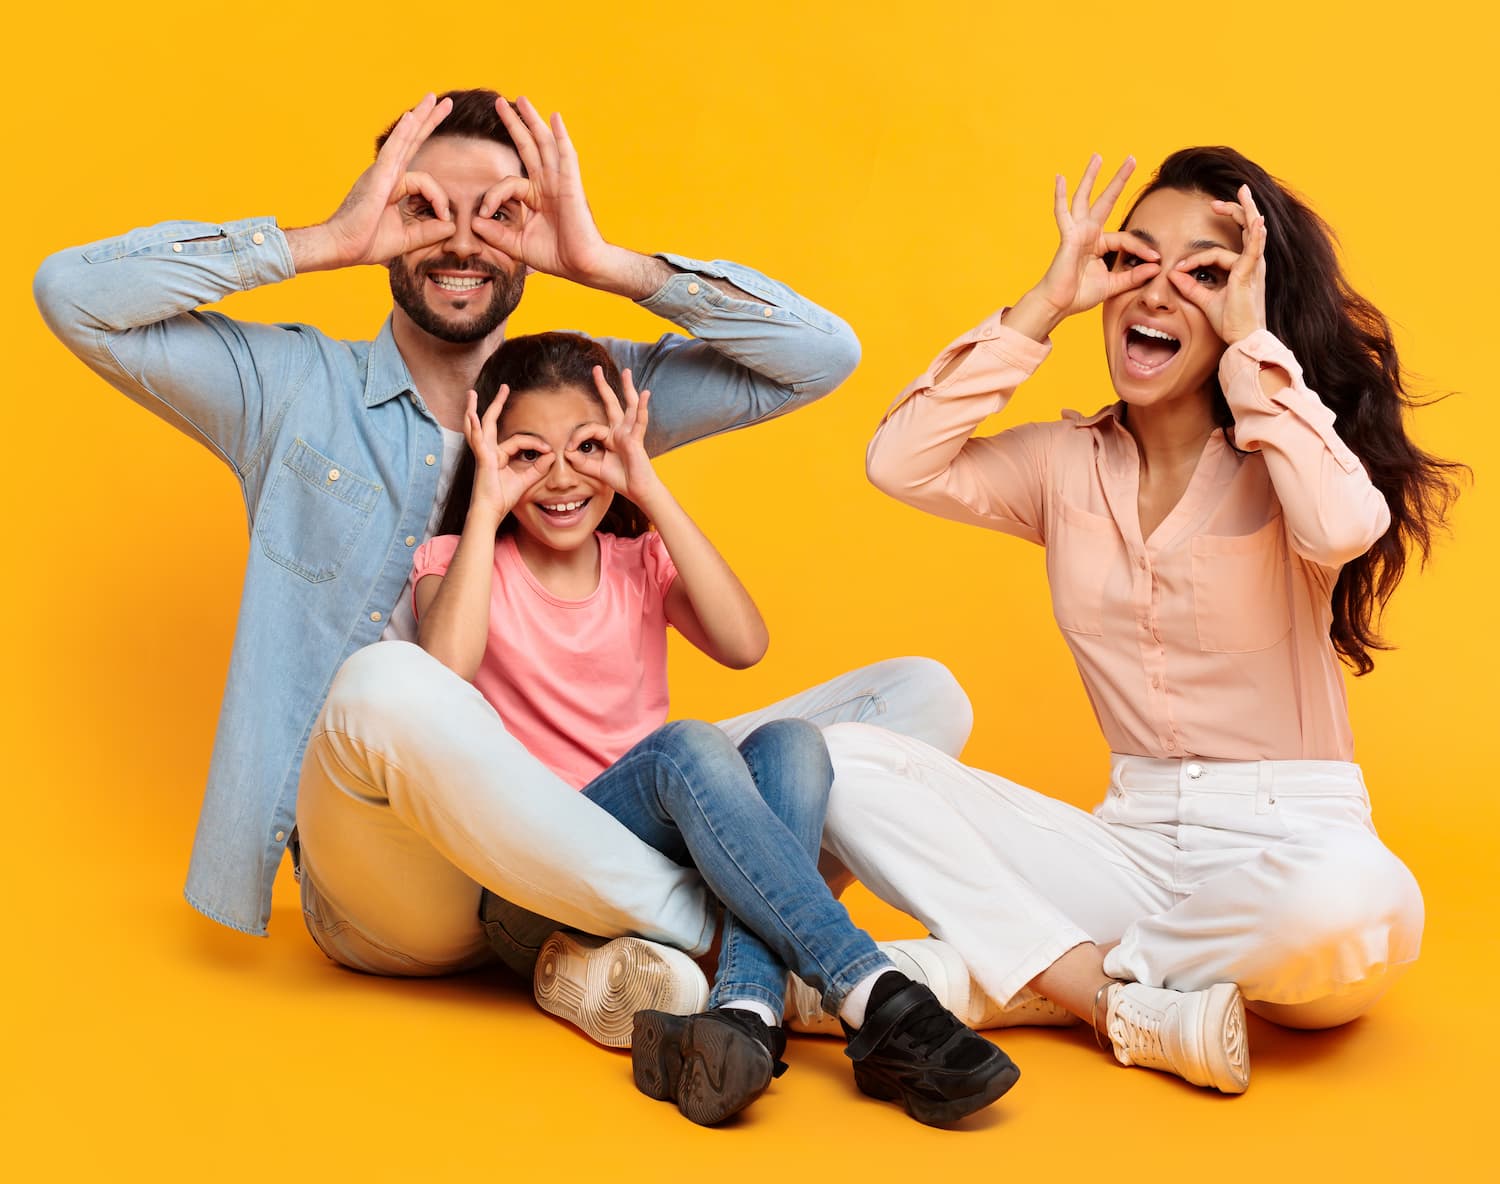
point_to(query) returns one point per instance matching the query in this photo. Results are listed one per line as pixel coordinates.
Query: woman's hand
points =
(1229, 287)
(498, 482)
(616, 454)
(1078, 277)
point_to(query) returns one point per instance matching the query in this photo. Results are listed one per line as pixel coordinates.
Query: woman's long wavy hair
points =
(541, 362)
(1348, 357)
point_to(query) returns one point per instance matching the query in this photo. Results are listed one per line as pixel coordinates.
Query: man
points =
(344, 451)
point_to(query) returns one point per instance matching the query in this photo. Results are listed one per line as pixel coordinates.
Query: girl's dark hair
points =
(541, 362)
(1348, 357)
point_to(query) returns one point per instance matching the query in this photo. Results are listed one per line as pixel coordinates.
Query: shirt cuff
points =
(685, 300)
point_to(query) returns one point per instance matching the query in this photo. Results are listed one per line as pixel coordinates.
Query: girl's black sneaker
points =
(712, 1064)
(913, 1050)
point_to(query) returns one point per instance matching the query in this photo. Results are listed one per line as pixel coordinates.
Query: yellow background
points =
(894, 163)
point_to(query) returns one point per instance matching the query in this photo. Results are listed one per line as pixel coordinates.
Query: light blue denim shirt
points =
(338, 459)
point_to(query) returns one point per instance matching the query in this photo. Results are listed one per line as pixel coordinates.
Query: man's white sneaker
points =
(598, 985)
(938, 965)
(1198, 1035)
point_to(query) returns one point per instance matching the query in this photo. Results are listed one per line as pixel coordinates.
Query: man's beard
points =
(407, 289)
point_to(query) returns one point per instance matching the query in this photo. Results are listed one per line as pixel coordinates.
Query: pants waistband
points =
(1205, 775)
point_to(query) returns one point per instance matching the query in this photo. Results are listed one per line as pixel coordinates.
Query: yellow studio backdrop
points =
(895, 164)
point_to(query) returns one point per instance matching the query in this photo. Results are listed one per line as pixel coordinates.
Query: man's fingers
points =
(511, 191)
(440, 111)
(567, 155)
(417, 182)
(521, 137)
(541, 134)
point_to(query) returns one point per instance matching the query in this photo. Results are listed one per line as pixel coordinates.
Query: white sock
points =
(852, 1010)
(755, 1007)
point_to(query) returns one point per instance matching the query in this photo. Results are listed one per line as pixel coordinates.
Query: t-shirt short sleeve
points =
(432, 559)
(658, 563)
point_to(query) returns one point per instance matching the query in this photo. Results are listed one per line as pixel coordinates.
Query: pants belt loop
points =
(1265, 787)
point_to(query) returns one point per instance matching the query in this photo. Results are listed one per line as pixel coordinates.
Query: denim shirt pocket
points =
(313, 513)
(1082, 548)
(1240, 599)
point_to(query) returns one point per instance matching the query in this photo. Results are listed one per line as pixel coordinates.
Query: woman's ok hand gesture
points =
(616, 454)
(499, 482)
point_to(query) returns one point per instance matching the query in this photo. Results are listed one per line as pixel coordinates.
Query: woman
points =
(1216, 540)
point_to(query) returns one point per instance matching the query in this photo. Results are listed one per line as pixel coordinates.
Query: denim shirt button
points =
(177, 248)
(430, 459)
(375, 616)
(770, 312)
(258, 238)
(280, 835)
(693, 289)
(411, 540)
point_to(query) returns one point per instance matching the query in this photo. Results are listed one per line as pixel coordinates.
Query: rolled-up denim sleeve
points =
(746, 360)
(128, 308)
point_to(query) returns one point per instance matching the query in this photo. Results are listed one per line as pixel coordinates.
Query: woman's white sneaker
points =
(938, 965)
(598, 985)
(1198, 1035)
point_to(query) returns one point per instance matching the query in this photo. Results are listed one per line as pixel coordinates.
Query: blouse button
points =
(1195, 771)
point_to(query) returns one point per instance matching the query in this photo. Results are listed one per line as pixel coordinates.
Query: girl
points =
(554, 601)
(1216, 539)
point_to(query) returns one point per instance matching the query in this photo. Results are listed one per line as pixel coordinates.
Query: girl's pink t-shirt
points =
(578, 682)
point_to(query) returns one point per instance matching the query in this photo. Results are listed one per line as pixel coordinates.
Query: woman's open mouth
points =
(1148, 350)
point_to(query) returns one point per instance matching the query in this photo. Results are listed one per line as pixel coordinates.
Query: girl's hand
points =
(499, 482)
(1078, 277)
(616, 454)
(1230, 288)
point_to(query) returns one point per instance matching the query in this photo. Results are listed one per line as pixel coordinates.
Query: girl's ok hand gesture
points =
(499, 483)
(1229, 287)
(616, 454)
(1078, 277)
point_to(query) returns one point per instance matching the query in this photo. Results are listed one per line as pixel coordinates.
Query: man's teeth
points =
(1147, 331)
(457, 283)
(564, 507)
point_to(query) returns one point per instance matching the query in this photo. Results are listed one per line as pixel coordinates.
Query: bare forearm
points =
(732, 629)
(454, 627)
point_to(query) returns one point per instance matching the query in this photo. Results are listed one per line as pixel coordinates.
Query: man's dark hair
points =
(473, 118)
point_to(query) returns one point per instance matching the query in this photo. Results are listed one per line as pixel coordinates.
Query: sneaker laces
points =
(1135, 1031)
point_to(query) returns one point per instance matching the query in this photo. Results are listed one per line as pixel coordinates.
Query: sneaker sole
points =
(710, 1069)
(598, 986)
(933, 1112)
(1223, 1032)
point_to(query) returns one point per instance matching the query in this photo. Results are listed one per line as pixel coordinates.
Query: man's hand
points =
(368, 227)
(547, 223)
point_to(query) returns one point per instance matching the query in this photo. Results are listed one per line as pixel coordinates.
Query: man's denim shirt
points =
(338, 459)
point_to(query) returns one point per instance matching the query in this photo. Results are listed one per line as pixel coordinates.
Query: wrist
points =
(627, 273)
(312, 248)
(1034, 315)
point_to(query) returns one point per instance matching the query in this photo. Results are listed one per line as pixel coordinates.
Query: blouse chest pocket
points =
(1081, 551)
(313, 513)
(1240, 599)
